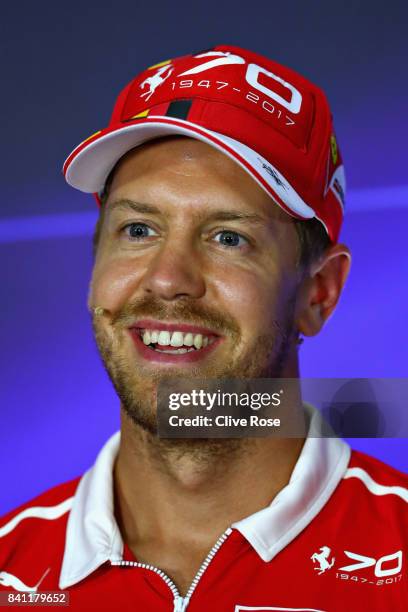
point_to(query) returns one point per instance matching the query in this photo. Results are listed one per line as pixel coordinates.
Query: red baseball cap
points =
(272, 121)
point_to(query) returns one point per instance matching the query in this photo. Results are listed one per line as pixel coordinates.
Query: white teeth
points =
(146, 337)
(154, 336)
(188, 339)
(164, 338)
(176, 339)
(198, 341)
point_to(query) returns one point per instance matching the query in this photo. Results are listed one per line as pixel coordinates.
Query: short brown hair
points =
(313, 241)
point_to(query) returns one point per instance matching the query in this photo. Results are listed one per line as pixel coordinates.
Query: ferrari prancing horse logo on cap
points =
(155, 80)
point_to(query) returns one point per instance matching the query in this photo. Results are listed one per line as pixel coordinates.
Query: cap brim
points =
(89, 164)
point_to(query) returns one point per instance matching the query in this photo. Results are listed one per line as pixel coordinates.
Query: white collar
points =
(93, 536)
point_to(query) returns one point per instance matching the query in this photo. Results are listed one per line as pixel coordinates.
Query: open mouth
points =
(174, 343)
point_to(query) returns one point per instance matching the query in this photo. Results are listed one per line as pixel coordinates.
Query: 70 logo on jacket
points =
(381, 565)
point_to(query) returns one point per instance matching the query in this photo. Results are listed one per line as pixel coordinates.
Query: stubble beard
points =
(136, 385)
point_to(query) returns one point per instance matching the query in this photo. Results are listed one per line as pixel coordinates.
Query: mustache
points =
(184, 310)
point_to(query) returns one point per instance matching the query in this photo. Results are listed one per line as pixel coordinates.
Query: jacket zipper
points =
(180, 603)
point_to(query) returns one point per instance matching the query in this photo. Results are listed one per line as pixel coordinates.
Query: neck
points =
(173, 491)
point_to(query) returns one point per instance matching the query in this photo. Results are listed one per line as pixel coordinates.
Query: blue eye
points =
(137, 231)
(231, 239)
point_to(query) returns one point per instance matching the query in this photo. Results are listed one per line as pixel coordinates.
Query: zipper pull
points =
(180, 603)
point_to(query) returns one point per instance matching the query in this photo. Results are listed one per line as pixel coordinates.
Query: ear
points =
(321, 288)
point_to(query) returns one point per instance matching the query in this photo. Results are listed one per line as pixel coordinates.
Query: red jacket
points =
(333, 540)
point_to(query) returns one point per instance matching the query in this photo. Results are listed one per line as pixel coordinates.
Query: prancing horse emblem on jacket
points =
(322, 558)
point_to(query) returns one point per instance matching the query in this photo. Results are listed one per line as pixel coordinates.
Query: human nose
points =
(175, 272)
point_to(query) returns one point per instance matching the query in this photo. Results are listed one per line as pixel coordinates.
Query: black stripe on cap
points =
(179, 109)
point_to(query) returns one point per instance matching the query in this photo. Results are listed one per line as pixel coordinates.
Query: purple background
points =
(63, 65)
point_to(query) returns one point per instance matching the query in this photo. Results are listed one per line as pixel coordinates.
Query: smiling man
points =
(221, 190)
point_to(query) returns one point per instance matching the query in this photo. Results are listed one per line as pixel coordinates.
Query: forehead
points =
(180, 166)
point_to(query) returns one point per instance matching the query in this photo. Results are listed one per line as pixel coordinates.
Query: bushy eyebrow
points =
(229, 215)
(214, 215)
(138, 207)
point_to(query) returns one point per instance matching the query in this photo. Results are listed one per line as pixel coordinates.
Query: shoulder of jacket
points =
(36, 521)
(377, 479)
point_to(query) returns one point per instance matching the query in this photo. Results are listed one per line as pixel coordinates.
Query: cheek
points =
(256, 299)
(113, 283)
(250, 299)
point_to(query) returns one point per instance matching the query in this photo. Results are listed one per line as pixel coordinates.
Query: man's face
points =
(190, 243)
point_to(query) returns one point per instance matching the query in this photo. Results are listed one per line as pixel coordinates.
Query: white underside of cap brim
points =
(90, 168)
